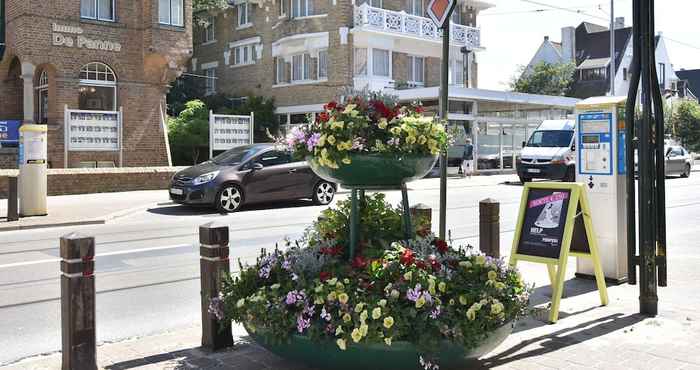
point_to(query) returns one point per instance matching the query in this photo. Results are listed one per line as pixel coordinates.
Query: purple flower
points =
(312, 141)
(295, 296)
(302, 323)
(413, 294)
(308, 311)
(358, 144)
(295, 136)
(435, 313)
(287, 265)
(325, 314)
(216, 307)
(428, 297)
(395, 141)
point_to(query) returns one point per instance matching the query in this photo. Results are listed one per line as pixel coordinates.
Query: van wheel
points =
(524, 180)
(570, 175)
(686, 171)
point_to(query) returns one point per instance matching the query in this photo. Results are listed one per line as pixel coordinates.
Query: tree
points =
(685, 124)
(265, 120)
(544, 78)
(189, 133)
(200, 7)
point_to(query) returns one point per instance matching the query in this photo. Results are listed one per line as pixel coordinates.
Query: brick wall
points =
(8, 158)
(100, 180)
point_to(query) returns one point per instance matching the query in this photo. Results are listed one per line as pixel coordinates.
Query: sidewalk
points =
(85, 209)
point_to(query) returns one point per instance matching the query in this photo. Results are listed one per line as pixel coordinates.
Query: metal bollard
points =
(214, 265)
(422, 213)
(489, 227)
(12, 196)
(78, 302)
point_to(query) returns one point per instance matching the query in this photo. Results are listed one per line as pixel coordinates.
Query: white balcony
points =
(368, 18)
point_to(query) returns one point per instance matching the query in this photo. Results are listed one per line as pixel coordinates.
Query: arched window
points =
(42, 98)
(98, 87)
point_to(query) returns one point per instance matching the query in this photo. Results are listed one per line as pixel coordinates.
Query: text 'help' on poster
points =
(543, 223)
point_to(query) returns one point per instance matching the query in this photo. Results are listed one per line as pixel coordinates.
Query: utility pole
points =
(612, 48)
(444, 108)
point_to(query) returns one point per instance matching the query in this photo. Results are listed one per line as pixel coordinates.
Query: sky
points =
(513, 30)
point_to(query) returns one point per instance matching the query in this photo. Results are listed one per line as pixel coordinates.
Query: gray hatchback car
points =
(249, 174)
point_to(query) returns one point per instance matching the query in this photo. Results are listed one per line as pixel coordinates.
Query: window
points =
(456, 16)
(97, 88)
(97, 9)
(244, 54)
(593, 74)
(301, 67)
(209, 30)
(381, 63)
(243, 16)
(282, 7)
(42, 93)
(322, 64)
(280, 71)
(457, 67)
(662, 75)
(210, 83)
(414, 7)
(302, 8)
(171, 12)
(275, 158)
(360, 62)
(374, 3)
(416, 68)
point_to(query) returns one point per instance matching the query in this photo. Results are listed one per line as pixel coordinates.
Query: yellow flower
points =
(465, 264)
(420, 302)
(240, 303)
(363, 316)
(364, 328)
(382, 303)
(422, 140)
(332, 281)
(359, 307)
(388, 322)
(387, 340)
(331, 140)
(343, 298)
(347, 317)
(500, 285)
(349, 108)
(331, 296)
(321, 141)
(463, 300)
(318, 300)
(480, 260)
(339, 286)
(471, 314)
(346, 281)
(476, 306)
(496, 308)
(377, 313)
(318, 289)
(407, 276)
(442, 286)
(452, 302)
(324, 154)
(492, 275)
(274, 286)
(383, 123)
(347, 160)
(356, 335)
(339, 330)
(333, 164)
(396, 131)
(337, 125)
(431, 286)
(341, 344)
(411, 140)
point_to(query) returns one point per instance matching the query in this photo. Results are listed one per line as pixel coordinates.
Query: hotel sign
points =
(71, 36)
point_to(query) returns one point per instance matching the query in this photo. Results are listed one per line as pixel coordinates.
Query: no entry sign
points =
(440, 10)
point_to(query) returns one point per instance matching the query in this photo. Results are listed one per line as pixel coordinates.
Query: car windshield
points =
(551, 139)
(235, 156)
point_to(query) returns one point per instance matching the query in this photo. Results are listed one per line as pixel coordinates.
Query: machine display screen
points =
(595, 126)
(590, 139)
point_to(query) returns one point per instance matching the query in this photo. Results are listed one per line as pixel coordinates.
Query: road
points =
(147, 263)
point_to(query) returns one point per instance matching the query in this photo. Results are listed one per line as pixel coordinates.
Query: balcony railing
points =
(402, 23)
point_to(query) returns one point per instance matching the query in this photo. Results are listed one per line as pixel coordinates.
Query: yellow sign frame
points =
(557, 267)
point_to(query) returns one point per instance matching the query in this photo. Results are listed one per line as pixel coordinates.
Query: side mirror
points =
(523, 145)
(573, 147)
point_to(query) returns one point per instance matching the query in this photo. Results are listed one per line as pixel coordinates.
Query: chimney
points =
(619, 22)
(546, 38)
(568, 44)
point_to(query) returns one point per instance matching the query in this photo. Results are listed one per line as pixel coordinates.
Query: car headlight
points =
(207, 177)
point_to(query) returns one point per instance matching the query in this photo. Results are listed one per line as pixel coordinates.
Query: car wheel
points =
(686, 172)
(570, 175)
(523, 180)
(229, 198)
(323, 193)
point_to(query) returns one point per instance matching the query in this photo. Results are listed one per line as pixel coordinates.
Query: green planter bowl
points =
(376, 170)
(398, 356)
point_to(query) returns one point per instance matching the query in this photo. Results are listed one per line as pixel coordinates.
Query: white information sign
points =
(226, 131)
(93, 130)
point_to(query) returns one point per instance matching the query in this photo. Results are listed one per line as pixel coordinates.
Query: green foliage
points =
(545, 79)
(189, 134)
(685, 124)
(200, 7)
(265, 120)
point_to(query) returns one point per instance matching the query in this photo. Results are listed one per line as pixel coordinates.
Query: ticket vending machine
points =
(600, 165)
(32, 170)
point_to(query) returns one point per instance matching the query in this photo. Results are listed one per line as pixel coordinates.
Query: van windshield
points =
(551, 139)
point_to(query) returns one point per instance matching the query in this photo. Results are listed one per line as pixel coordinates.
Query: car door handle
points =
(293, 170)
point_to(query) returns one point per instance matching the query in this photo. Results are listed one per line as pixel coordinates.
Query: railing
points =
(406, 24)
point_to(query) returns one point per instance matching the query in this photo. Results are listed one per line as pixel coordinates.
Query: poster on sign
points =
(544, 221)
(228, 131)
(93, 130)
(9, 132)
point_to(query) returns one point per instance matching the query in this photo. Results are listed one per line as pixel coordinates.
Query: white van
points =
(549, 153)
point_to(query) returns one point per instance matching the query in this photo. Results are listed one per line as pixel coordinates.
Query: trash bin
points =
(32, 170)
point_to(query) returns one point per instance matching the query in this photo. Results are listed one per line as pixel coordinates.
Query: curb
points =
(54, 224)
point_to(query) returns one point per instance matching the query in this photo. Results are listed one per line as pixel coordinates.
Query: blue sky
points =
(513, 30)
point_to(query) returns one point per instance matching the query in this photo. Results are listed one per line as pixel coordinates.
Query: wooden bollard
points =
(78, 302)
(214, 265)
(489, 227)
(12, 196)
(422, 213)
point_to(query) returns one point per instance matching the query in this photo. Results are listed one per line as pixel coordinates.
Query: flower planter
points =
(376, 169)
(398, 356)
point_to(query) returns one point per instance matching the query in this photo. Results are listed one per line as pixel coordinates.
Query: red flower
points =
(330, 106)
(324, 275)
(359, 262)
(420, 109)
(434, 263)
(441, 245)
(407, 258)
(332, 251)
(323, 117)
(421, 265)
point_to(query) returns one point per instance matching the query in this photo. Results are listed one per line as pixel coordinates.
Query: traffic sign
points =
(440, 10)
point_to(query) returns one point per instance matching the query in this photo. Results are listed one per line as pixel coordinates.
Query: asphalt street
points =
(147, 263)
